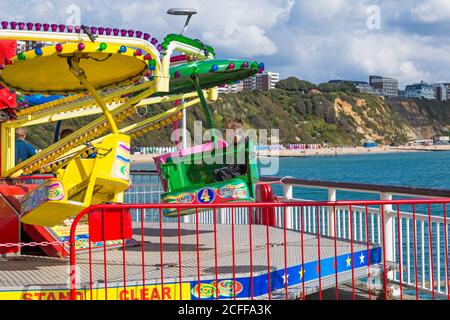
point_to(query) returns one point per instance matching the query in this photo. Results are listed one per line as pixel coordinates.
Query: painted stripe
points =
(123, 159)
(124, 147)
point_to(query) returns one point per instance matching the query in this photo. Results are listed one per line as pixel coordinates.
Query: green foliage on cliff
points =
(337, 116)
(296, 85)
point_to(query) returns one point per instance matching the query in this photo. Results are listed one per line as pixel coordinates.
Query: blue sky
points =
(316, 40)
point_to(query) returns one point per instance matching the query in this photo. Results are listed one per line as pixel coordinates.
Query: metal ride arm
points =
(147, 125)
(83, 135)
(209, 119)
(73, 107)
(63, 109)
(81, 105)
(134, 130)
(79, 73)
(184, 48)
(52, 154)
(97, 127)
(61, 162)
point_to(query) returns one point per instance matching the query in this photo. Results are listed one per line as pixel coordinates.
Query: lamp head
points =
(181, 11)
(188, 12)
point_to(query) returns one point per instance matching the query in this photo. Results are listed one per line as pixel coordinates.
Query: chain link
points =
(32, 244)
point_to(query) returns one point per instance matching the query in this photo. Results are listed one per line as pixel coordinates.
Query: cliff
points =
(338, 115)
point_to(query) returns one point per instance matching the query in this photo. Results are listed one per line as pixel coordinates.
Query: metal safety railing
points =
(408, 242)
(213, 261)
(288, 248)
(417, 235)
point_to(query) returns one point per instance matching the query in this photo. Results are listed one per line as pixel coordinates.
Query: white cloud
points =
(432, 10)
(248, 41)
(315, 39)
(356, 56)
(382, 54)
(231, 26)
(323, 8)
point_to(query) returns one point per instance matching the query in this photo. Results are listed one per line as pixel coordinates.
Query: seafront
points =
(323, 152)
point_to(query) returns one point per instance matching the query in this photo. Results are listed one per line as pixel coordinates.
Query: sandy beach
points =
(324, 152)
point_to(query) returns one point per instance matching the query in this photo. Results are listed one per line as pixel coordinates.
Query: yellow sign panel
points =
(156, 292)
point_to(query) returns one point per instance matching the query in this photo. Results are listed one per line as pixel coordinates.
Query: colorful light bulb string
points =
(30, 26)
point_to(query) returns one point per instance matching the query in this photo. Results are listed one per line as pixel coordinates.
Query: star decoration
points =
(361, 258)
(349, 261)
(301, 273)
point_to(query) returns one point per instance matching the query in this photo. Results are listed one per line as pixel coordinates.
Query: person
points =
(236, 169)
(24, 149)
(65, 133)
(237, 125)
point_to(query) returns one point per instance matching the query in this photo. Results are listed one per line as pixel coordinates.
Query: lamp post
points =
(188, 13)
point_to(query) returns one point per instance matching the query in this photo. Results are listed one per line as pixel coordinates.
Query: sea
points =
(410, 169)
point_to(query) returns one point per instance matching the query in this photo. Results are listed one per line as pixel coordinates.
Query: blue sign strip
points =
(295, 275)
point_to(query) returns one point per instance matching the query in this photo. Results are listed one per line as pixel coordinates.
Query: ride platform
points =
(33, 277)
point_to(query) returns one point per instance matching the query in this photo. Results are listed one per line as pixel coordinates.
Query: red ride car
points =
(8, 103)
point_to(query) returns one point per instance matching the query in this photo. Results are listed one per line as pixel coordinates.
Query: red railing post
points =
(383, 237)
(233, 253)
(447, 284)
(399, 246)
(302, 271)
(335, 254)
(269, 289)
(143, 247)
(430, 237)
(216, 263)
(124, 253)
(350, 209)
(105, 265)
(416, 272)
(368, 251)
(198, 253)
(179, 254)
(90, 265)
(72, 258)
(161, 250)
(250, 213)
(286, 279)
(319, 265)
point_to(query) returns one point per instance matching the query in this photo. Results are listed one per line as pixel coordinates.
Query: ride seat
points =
(162, 159)
(84, 182)
(193, 179)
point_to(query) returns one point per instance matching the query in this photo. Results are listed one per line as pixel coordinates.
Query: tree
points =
(296, 85)
(346, 87)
